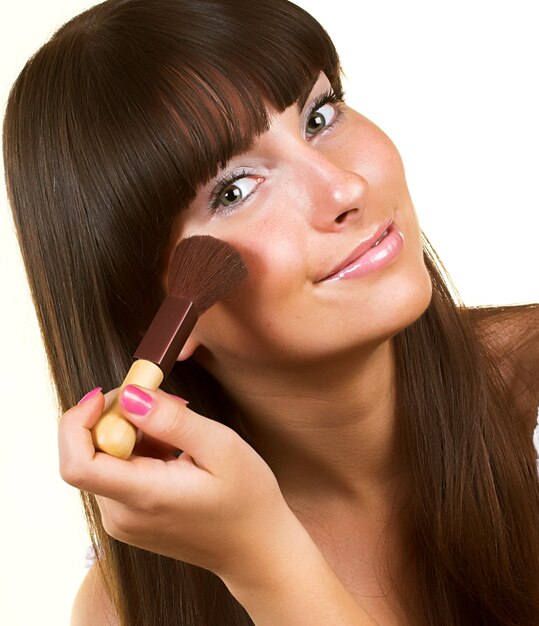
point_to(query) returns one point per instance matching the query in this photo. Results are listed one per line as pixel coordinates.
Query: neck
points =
(327, 430)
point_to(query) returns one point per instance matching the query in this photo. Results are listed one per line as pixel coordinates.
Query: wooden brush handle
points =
(113, 433)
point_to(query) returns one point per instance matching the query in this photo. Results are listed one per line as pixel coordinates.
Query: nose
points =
(336, 196)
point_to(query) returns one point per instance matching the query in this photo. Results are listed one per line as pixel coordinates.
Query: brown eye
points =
(230, 195)
(237, 191)
(319, 119)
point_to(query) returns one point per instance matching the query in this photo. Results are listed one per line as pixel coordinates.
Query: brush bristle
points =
(204, 270)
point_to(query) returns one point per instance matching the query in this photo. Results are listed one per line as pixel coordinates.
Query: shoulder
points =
(92, 604)
(511, 333)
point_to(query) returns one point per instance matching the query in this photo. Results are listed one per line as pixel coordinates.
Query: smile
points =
(380, 254)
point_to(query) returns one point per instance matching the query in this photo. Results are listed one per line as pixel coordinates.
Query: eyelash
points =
(223, 183)
(328, 97)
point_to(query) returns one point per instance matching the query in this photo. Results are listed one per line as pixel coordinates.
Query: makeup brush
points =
(203, 271)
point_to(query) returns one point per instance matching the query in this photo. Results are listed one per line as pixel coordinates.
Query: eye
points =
(233, 189)
(320, 118)
(237, 191)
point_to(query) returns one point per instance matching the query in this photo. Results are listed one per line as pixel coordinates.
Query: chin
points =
(404, 299)
(415, 300)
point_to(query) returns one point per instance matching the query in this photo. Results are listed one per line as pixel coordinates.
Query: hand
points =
(217, 506)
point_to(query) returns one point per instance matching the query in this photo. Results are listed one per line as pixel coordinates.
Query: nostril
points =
(342, 216)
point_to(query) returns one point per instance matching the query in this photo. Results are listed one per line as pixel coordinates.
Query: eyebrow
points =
(300, 103)
(302, 99)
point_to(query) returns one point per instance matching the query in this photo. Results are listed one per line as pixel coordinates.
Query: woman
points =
(368, 457)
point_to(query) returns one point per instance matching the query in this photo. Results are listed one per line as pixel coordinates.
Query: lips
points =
(365, 245)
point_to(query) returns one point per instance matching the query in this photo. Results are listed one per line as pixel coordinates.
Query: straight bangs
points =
(219, 78)
(114, 124)
(189, 84)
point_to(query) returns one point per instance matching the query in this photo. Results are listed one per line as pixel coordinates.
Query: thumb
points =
(163, 417)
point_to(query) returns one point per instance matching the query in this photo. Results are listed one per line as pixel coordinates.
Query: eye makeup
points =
(223, 183)
(328, 97)
(216, 206)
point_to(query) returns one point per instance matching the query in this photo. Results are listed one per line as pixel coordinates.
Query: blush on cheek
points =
(274, 262)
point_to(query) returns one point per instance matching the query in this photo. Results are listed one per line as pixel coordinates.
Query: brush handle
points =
(113, 433)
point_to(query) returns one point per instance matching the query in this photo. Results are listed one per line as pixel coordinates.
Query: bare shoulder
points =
(512, 334)
(92, 604)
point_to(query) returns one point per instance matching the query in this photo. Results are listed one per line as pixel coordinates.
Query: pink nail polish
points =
(89, 395)
(135, 401)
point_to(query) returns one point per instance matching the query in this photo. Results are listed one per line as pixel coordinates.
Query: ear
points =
(189, 348)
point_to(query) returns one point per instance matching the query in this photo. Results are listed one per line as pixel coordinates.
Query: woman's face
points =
(317, 184)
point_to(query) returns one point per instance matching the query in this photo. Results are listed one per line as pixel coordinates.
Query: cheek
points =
(274, 259)
(271, 237)
(277, 271)
(373, 155)
(276, 267)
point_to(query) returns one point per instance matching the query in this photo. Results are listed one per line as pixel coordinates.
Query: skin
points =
(310, 363)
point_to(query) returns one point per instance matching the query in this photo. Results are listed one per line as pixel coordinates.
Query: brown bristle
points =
(204, 270)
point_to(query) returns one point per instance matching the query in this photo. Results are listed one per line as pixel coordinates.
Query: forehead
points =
(319, 85)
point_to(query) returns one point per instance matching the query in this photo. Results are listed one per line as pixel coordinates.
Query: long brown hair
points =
(109, 130)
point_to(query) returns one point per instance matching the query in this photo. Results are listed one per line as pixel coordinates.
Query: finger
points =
(150, 446)
(74, 428)
(97, 472)
(162, 417)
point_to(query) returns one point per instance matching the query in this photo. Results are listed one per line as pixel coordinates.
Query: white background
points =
(453, 84)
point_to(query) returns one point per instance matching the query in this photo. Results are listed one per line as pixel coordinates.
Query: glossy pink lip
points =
(374, 259)
(365, 245)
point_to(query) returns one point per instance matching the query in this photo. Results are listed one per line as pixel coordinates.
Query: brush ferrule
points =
(167, 334)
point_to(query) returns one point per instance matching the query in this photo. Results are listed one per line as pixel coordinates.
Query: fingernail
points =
(89, 395)
(135, 401)
(182, 400)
